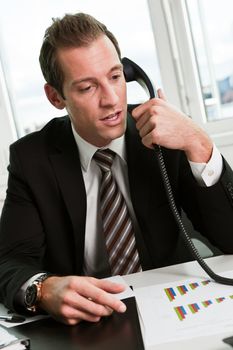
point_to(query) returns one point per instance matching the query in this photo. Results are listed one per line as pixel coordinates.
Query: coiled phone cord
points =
(176, 214)
(133, 72)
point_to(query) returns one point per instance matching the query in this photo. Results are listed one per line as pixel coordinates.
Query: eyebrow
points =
(78, 81)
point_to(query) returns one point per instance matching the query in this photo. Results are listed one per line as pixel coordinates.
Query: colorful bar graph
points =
(206, 303)
(193, 285)
(205, 282)
(194, 307)
(182, 289)
(171, 294)
(219, 300)
(181, 312)
(184, 312)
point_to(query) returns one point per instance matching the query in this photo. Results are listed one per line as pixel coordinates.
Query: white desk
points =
(179, 272)
(46, 331)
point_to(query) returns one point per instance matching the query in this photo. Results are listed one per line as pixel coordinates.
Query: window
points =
(212, 32)
(22, 26)
(197, 77)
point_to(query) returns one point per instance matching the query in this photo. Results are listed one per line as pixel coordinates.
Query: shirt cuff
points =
(208, 174)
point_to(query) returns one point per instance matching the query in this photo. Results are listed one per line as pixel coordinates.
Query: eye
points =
(87, 88)
(116, 76)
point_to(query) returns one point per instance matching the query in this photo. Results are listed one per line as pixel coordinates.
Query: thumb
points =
(161, 94)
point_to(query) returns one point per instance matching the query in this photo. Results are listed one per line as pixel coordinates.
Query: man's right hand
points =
(72, 299)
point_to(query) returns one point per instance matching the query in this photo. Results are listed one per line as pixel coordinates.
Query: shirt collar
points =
(87, 150)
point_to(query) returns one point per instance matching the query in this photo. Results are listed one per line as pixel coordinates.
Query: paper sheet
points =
(4, 311)
(127, 293)
(9, 341)
(185, 309)
(5, 337)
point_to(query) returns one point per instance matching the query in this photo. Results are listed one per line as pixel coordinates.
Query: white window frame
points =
(7, 134)
(178, 66)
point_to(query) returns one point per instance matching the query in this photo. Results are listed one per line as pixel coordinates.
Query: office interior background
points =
(185, 46)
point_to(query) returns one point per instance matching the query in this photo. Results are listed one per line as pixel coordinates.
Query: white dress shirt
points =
(95, 258)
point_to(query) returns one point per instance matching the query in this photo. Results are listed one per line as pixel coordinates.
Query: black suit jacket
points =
(42, 225)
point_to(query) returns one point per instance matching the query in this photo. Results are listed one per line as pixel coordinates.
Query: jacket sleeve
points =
(211, 208)
(21, 235)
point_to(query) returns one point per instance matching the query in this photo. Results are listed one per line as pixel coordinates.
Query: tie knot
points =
(104, 158)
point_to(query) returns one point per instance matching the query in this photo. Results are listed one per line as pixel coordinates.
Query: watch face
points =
(31, 295)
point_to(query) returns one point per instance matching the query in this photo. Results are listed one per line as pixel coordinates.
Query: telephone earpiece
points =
(133, 72)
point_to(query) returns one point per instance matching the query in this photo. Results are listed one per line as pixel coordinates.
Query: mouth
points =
(112, 117)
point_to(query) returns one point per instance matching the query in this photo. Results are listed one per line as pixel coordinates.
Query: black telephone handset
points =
(133, 72)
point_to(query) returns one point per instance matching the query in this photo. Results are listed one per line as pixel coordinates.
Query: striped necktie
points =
(117, 224)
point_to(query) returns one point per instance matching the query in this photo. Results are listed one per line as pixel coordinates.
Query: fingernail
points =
(122, 308)
(109, 310)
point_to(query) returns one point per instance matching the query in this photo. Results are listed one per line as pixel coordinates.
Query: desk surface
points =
(50, 335)
(119, 331)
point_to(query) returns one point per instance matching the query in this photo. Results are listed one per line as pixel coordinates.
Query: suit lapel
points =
(65, 161)
(137, 174)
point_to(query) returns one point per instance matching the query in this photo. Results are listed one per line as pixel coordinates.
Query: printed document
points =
(185, 309)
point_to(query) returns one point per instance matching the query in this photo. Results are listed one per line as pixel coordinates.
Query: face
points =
(95, 91)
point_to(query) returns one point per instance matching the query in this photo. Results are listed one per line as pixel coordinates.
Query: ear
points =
(54, 97)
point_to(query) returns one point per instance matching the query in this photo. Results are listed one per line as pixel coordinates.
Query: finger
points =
(141, 109)
(70, 316)
(91, 306)
(147, 128)
(109, 286)
(74, 303)
(143, 120)
(149, 140)
(113, 288)
(161, 94)
(102, 297)
(100, 291)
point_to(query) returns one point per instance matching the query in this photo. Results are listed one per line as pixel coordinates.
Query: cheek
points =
(123, 92)
(83, 117)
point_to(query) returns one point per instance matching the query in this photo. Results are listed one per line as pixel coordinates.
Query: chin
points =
(110, 137)
(117, 133)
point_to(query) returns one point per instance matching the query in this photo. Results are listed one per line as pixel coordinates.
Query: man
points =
(52, 247)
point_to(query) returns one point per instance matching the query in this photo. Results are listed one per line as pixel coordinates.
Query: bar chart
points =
(192, 308)
(187, 308)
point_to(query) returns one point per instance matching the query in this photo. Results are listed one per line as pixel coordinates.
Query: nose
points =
(109, 96)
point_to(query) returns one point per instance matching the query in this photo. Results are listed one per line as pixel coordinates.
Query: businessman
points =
(85, 198)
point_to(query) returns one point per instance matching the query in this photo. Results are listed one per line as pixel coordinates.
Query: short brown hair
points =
(75, 30)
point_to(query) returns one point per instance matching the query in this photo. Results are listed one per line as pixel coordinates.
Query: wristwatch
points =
(32, 294)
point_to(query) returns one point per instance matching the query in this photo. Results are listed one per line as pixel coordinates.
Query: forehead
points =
(94, 59)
